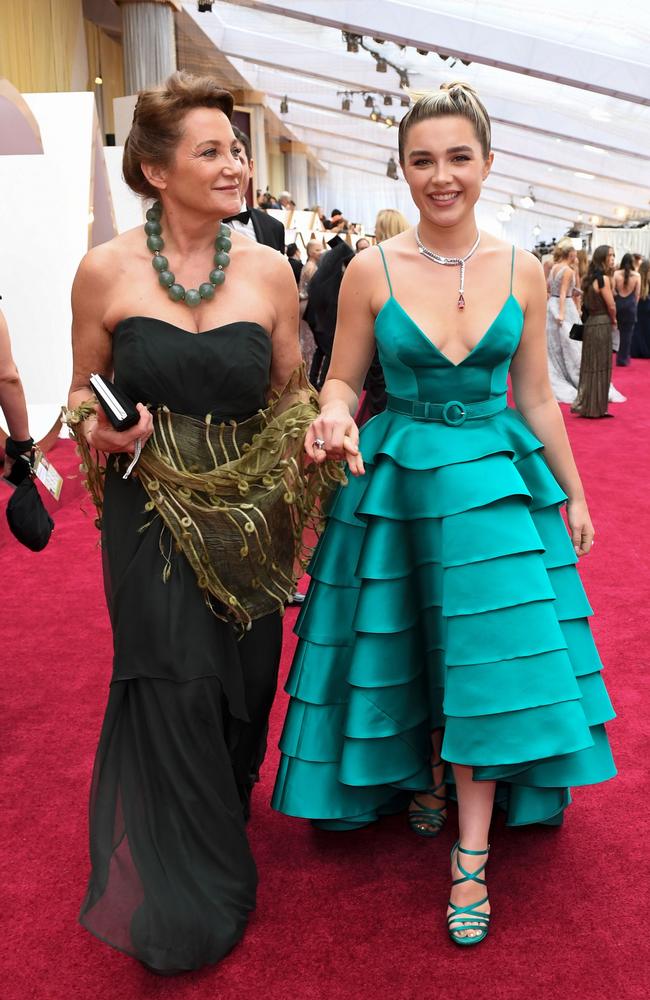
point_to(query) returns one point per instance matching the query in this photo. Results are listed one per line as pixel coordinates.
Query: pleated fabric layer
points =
(444, 592)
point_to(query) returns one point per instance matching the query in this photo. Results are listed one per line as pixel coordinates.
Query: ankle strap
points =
(475, 854)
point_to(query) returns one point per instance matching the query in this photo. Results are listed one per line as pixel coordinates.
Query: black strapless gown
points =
(173, 879)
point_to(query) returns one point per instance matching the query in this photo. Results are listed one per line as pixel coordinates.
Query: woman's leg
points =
(437, 778)
(475, 805)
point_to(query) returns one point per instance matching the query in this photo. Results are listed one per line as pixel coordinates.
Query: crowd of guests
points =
(595, 309)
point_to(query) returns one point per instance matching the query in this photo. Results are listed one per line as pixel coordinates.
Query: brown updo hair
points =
(158, 123)
(454, 98)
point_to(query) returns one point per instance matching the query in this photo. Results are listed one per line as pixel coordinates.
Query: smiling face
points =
(445, 168)
(205, 174)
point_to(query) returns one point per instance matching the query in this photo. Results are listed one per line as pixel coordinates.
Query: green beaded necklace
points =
(193, 296)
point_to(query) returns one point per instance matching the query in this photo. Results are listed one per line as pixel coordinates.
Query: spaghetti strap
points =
(512, 267)
(390, 287)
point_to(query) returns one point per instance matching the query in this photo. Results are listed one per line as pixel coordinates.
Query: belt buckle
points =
(454, 413)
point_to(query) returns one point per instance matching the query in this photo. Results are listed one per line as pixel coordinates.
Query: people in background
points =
(597, 338)
(362, 244)
(295, 260)
(285, 200)
(641, 336)
(253, 223)
(627, 288)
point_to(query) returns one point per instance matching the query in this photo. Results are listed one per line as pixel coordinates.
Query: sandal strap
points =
(460, 913)
(469, 876)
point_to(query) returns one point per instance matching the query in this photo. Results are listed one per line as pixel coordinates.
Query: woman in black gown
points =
(173, 880)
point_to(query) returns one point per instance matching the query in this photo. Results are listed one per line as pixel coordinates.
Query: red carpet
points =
(340, 916)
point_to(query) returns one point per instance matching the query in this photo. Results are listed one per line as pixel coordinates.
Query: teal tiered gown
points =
(444, 592)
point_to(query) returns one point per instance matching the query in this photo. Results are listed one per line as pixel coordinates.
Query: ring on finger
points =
(319, 443)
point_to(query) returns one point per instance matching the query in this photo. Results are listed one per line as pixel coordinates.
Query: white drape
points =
(623, 241)
(149, 45)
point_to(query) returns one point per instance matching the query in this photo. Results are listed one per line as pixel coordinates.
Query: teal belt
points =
(454, 413)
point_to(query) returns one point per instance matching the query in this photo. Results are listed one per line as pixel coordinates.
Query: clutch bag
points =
(120, 410)
(576, 331)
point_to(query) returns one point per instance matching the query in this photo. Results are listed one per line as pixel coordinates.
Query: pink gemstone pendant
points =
(461, 301)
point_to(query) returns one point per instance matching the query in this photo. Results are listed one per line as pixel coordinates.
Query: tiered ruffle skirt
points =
(444, 593)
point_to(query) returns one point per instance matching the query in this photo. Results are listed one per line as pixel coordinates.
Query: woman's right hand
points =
(103, 436)
(340, 434)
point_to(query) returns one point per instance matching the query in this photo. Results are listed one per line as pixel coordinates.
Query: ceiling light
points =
(391, 169)
(205, 6)
(583, 175)
(380, 41)
(284, 106)
(537, 230)
(352, 41)
(369, 101)
(346, 104)
(98, 81)
(381, 65)
(405, 102)
(466, 62)
(594, 149)
(528, 200)
(595, 220)
(579, 217)
(388, 101)
(621, 213)
(422, 52)
(389, 121)
(441, 55)
(404, 81)
(503, 215)
(374, 115)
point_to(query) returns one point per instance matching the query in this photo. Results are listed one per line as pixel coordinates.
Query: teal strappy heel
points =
(468, 918)
(428, 821)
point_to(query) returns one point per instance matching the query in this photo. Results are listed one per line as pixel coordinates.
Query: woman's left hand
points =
(580, 526)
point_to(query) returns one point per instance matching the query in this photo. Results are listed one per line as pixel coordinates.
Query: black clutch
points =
(576, 331)
(27, 517)
(120, 410)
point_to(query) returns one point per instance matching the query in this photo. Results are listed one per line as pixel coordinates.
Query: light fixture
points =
(405, 102)
(380, 41)
(441, 55)
(381, 65)
(346, 103)
(388, 101)
(579, 217)
(205, 6)
(595, 220)
(422, 52)
(391, 169)
(583, 175)
(389, 121)
(98, 81)
(369, 101)
(374, 115)
(528, 200)
(466, 62)
(621, 213)
(404, 80)
(352, 41)
(537, 230)
(503, 215)
(284, 106)
(595, 149)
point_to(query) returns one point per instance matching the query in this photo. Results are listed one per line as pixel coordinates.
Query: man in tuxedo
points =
(254, 222)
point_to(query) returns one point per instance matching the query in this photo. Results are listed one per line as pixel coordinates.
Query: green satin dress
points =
(444, 592)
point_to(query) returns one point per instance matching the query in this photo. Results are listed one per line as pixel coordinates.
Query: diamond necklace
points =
(449, 261)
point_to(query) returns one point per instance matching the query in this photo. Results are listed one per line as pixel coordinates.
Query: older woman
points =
(173, 879)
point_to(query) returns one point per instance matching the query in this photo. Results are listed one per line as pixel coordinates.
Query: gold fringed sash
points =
(237, 497)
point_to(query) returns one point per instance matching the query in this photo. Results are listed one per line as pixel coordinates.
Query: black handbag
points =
(576, 331)
(29, 521)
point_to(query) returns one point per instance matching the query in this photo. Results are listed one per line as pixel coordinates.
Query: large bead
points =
(221, 258)
(206, 290)
(166, 278)
(176, 292)
(153, 228)
(155, 243)
(159, 262)
(223, 243)
(192, 297)
(154, 213)
(217, 277)
(225, 230)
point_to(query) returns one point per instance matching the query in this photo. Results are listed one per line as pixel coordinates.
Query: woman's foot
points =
(428, 809)
(468, 913)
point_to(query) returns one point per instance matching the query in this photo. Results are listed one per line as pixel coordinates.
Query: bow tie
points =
(243, 217)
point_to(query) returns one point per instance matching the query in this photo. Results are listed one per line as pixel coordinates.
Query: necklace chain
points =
(192, 296)
(449, 261)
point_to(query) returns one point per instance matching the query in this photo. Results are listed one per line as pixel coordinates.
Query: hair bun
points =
(459, 85)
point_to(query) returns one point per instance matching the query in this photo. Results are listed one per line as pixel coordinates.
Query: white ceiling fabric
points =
(567, 86)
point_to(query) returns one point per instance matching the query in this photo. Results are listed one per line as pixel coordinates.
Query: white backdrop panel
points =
(44, 221)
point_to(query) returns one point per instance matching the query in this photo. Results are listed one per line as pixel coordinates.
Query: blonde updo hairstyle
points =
(452, 99)
(562, 249)
(389, 222)
(158, 123)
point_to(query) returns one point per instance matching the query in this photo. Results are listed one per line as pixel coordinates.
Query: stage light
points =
(389, 120)
(466, 62)
(205, 6)
(528, 200)
(380, 41)
(405, 102)
(388, 101)
(381, 65)
(346, 104)
(98, 81)
(369, 101)
(352, 41)
(374, 115)
(391, 169)
(537, 230)
(284, 106)
(404, 81)
(422, 52)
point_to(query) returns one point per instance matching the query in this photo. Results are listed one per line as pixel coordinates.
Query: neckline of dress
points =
(391, 298)
(190, 333)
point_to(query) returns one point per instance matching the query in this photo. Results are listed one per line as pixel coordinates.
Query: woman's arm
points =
(354, 348)
(286, 355)
(535, 401)
(608, 297)
(12, 396)
(92, 351)
(564, 288)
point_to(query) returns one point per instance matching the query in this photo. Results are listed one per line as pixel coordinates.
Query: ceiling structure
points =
(567, 87)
